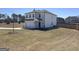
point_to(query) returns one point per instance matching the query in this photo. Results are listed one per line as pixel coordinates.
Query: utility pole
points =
(13, 26)
(44, 20)
(13, 20)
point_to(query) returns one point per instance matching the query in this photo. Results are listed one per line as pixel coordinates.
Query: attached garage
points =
(29, 23)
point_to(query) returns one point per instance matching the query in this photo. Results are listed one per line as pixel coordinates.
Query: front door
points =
(37, 24)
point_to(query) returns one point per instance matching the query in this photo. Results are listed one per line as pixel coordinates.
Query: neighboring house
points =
(40, 19)
(60, 20)
(72, 19)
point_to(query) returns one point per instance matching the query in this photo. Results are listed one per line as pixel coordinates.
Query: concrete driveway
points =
(10, 28)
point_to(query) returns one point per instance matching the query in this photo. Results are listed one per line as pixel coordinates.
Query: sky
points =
(60, 12)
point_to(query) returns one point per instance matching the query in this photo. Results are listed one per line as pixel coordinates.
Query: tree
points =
(19, 18)
(8, 20)
(2, 17)
(23, 19)
(14, 18)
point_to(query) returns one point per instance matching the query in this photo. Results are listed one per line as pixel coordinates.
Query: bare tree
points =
(13, 20)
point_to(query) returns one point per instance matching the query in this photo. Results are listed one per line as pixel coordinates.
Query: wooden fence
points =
(71, 26)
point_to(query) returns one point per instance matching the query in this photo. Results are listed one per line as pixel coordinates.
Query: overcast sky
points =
(61, 12)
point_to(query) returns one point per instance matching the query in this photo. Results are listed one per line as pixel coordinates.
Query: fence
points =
(71, 26)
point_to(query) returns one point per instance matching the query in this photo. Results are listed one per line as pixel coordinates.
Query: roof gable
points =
(40, 11)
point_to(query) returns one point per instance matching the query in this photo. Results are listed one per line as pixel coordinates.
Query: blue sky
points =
(61, 12)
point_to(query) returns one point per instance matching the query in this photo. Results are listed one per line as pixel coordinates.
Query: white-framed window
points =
(33, 15)
(39, 15)
(26, 16)
(51, 23)
(29, 15)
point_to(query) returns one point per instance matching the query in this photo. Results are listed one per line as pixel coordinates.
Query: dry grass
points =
(10, 25)
(60, 39)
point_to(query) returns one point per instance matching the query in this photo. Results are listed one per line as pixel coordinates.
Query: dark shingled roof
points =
(40, 11)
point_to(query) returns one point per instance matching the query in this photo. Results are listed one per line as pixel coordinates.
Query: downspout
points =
(34, 19)
(44, 19)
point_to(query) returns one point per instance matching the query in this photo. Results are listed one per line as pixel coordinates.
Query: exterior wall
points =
(54, 18)
(41, 15)
(30, 14)
(50, 20)
(36, 15)
(42, 23)
(29, 24)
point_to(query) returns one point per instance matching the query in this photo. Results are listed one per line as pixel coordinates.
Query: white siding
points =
(30, 14)
(54, 18)
(50, 20)
(29, 24)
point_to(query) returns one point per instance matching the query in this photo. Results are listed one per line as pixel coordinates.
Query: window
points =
(29, 15)
(51, 23)
(33, 15)
(26, 16)
(39, 15)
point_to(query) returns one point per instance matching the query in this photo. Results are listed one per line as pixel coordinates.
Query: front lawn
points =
(36, 40)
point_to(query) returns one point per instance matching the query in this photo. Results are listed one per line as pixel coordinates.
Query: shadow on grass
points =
(10, 33)
(46, 29)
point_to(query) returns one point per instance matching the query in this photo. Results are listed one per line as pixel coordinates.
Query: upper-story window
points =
(33, 15)
(29, 15)
(26, 16)
(39, 15)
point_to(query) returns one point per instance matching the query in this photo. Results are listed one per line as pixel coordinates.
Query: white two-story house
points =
(40, 19)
